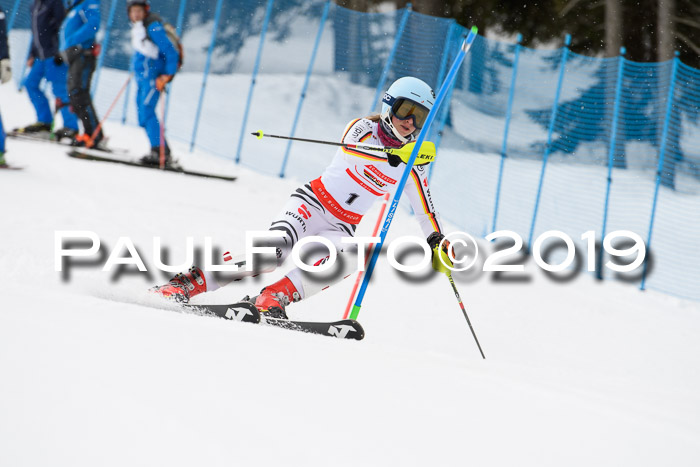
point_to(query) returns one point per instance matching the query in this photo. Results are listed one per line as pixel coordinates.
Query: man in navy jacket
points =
(46, 62)
(78, 47)
(155, 61)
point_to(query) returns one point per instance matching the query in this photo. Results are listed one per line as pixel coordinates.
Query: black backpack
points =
(170, 31)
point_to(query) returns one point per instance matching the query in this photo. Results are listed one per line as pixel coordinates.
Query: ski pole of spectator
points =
(162, 130)
(121, 91)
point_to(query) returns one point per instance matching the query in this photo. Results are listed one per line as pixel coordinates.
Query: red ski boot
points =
(274, 298)
(182, 287)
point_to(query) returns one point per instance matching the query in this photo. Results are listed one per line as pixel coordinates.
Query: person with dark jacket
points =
(78, 47)
(5, 76)
(45, 62)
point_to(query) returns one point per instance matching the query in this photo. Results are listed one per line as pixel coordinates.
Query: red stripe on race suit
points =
(332, 205)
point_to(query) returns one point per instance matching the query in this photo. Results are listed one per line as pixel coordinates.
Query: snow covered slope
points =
(578, 373)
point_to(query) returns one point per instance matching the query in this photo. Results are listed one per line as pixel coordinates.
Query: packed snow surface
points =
(95, 372)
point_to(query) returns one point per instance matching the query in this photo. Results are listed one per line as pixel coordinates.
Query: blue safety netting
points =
(530, 140)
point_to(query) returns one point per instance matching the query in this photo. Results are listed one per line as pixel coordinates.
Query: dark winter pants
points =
(81, 65)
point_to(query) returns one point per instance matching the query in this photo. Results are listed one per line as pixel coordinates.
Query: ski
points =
(44, 137)
(343, 329)
(242, 311)
(10, 167)
(41, 136)
(104, 156)
(247, 313)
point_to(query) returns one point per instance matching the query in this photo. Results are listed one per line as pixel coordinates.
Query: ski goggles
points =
(403, 109)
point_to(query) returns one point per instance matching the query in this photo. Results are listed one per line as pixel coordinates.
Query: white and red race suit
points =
(356, 179)
(332, 205)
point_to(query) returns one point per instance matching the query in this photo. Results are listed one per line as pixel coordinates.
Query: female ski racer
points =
(332, 205)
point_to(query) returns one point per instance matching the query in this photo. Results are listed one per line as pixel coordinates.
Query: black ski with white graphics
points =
(109, 156)
(243, 311)
(247, 313)
(343, 329)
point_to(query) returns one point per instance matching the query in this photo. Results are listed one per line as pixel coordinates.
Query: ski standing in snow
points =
(332, 205)
(45, 61)
(157, 57)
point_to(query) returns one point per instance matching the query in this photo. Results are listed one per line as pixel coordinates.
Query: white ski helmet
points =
(408, 97)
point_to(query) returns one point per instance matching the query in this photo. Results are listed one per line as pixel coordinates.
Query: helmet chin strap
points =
(389, 132)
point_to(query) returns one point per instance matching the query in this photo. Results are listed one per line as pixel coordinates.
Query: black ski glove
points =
(394, 160)
(441, 258)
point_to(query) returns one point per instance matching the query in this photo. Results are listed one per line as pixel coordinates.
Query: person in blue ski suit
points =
(154, 62)
(78, 47)
(45, 62)
(5, 76)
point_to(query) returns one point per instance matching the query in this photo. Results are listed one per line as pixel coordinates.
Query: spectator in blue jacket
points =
(78, 47)
(5, 76)
(155, 61)
(45, 62)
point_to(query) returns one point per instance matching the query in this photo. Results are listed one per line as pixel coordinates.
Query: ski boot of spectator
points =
(67, 133)
(37, 127)
(153, 157)
(86, 141)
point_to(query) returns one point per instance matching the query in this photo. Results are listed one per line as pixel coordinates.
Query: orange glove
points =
(162, 80)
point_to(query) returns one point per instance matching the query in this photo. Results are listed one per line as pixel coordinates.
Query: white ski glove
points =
(5, 70)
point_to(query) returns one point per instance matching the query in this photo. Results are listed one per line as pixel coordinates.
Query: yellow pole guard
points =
(426, 154)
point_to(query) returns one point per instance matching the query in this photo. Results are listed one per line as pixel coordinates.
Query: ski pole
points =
(99, 125)
(58, 105)
(461, 305)
(162, 133)
(446, 84)
(427, 153)
(369, 248)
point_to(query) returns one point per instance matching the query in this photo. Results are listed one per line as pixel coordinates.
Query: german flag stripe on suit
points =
(424, 200)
